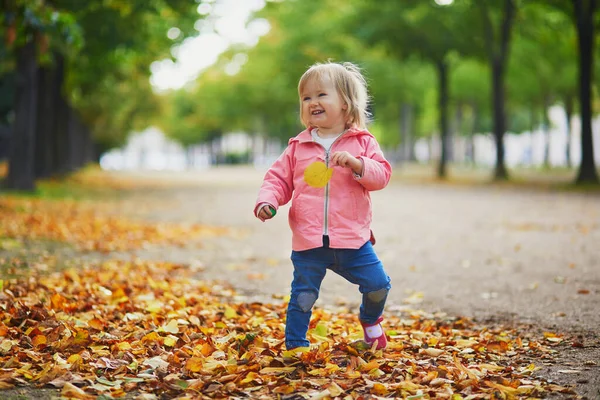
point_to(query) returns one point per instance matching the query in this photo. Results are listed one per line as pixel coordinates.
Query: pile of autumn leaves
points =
(114, 327)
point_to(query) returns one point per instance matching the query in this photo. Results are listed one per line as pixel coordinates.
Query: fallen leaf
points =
(71, 391)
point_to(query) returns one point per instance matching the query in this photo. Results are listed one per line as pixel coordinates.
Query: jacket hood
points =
(305, 135)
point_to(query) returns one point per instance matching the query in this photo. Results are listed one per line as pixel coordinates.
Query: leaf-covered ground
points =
(132, 326)
(154, 329)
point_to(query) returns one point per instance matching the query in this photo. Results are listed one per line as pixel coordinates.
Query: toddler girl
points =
(327, 171)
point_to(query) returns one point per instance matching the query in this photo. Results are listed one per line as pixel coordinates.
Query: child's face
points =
(322, 106)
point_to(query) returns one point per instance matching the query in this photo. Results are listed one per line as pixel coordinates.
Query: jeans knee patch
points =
(377, 296)
(306, 300)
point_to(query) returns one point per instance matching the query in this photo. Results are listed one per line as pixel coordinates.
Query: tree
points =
(497, 41)
(544, 47)
(582, 13)
(584, 20)
(91, 76)
(471, 91)
(424, 29)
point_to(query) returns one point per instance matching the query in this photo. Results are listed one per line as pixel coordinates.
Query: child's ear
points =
(345, 107)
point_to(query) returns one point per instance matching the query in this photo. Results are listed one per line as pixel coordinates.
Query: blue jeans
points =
(359, 266)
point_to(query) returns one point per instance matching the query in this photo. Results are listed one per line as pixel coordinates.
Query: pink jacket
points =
(343, 207)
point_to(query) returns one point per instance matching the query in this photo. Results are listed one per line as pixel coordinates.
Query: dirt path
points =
(508, 255)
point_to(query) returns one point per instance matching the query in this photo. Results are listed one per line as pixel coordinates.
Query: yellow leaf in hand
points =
(317, 174)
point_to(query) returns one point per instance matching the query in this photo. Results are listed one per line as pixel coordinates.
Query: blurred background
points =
(492, 85)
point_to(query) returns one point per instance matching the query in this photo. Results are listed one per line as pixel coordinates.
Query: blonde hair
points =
(351, 85)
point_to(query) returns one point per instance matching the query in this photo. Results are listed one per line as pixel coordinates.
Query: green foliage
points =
(110, 45)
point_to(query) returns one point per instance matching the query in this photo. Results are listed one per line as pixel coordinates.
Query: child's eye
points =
(305, 98)
(322, 94)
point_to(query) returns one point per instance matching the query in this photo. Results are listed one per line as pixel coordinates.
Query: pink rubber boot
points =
(374, 333)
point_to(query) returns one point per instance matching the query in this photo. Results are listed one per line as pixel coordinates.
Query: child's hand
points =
(347, 160)
(265, 213)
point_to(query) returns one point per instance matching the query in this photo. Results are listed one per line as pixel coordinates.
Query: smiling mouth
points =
(317, 112)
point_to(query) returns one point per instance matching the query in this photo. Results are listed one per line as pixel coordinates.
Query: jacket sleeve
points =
(278, 183)
(377, 170)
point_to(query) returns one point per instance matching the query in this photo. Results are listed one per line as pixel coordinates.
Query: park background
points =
(134, 136)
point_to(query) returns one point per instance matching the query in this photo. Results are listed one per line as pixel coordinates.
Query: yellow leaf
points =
(230, 313)
(317, 174)
(171, 341)
(194, 364)
(81, 336)
(379, 389)
(74, 359)
(276, 370)
(124, 346)
(151, 337)
(249, 378)
(295, 352)
(376, 373)
(321, 329)
(155, 306)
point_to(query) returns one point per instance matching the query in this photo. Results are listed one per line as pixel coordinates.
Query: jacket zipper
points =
(325, 217)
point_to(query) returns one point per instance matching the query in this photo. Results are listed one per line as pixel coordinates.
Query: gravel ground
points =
(516, 255)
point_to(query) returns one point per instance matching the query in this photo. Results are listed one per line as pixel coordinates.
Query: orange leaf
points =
(39, 340)
(96, 324)
(207, 350)
(58, 302)
(369, 366)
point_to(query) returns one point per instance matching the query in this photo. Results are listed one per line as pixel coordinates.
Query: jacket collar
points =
(305, 136)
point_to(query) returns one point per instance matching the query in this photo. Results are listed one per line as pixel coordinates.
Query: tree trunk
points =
(584, 15)
(59, 147)
(546, 130)
(88, 143)
(406, 132)
(21, 174)
(498, 55)
(568, 117)
(442, 68)
(500, 172)
(71, 142)
(458, 133)
(475, 128)
(45, 123)
(7, 99)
